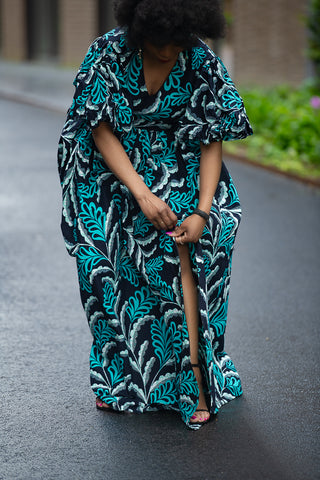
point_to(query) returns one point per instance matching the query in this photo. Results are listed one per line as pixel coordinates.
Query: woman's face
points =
(165, 54)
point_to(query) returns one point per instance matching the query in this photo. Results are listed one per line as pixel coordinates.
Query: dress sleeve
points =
(215, 110)
(98, 94)
(91, 101)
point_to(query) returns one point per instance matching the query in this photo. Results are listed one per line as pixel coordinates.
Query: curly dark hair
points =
(170, 21)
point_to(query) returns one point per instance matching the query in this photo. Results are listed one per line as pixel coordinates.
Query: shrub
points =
(286, 124)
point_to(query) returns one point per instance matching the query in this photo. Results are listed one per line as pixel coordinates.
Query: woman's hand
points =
(158, 212)
(190, 230)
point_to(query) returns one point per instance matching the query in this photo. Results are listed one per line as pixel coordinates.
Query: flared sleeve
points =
(215, 110)
(98, 90)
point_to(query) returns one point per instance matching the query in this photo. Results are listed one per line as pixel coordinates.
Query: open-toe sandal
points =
(199, 422)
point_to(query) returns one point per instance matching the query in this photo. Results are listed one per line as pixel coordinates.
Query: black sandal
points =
(196, 365)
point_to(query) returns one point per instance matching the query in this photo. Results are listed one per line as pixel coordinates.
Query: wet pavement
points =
(50, 428)
(37, 84)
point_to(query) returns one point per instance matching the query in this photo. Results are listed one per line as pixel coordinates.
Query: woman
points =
(150, 211)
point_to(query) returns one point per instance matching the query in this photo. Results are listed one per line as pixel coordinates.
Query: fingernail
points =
(169, 233)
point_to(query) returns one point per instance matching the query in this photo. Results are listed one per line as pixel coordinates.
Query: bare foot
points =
(101, 405)
(201, 415)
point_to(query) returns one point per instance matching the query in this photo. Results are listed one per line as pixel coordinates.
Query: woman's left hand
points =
(190, 230)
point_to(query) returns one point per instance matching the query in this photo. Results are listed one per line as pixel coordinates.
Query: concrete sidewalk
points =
(41, 85)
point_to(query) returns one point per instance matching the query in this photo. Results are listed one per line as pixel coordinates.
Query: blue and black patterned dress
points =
(129, 272)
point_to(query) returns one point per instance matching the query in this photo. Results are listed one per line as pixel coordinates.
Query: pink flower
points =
(315, 102)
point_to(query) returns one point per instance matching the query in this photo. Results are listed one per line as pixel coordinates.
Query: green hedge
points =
(286, 124)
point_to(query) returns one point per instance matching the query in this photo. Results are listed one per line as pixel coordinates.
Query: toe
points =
(101, 404)
(200, 417)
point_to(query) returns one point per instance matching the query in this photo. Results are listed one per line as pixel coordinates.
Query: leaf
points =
(99, 90)
(187, 384)
(233, 384)
(164, 394)
(104, 395)
(90, 304)
(87, 258)
(176, 338)
(218, 376)
(219, 319)
(134, 332)
(180, 201)
(94, 220)
(115, 370)
(140, 304)
(164, 290)
(154, 265)
(118, 389)
(95, 358)
(102, 333)
(148, 369)
(134, 364)
(138, 391)
(161, 341)
(109, 299)
(142, 352)
(182, 95)
(129, 271)
(141, 225)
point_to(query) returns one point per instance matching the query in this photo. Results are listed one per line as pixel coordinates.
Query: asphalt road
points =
(50, 428)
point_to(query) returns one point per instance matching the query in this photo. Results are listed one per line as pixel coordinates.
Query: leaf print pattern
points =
(231, 100)
(87, 258)
(99, 91)
(198, 57)
(109, 299)
(115, 370)
(93, 219)
(129, 272)
(165, 394)
(140, 304)
(102, 333)
(161, 341)
(154, 265)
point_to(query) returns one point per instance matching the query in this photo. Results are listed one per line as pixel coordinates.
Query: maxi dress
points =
(129, 272)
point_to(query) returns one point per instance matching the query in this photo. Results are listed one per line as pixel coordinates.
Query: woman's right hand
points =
(117, 160)
(158, 212)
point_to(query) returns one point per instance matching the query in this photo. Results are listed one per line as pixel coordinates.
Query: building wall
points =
(78, 27)
(13, 29)
(266, 42)
(42, 29)
(269, 41)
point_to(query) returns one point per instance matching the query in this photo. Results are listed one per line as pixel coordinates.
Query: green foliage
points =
(286, 129)
(313, 24)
